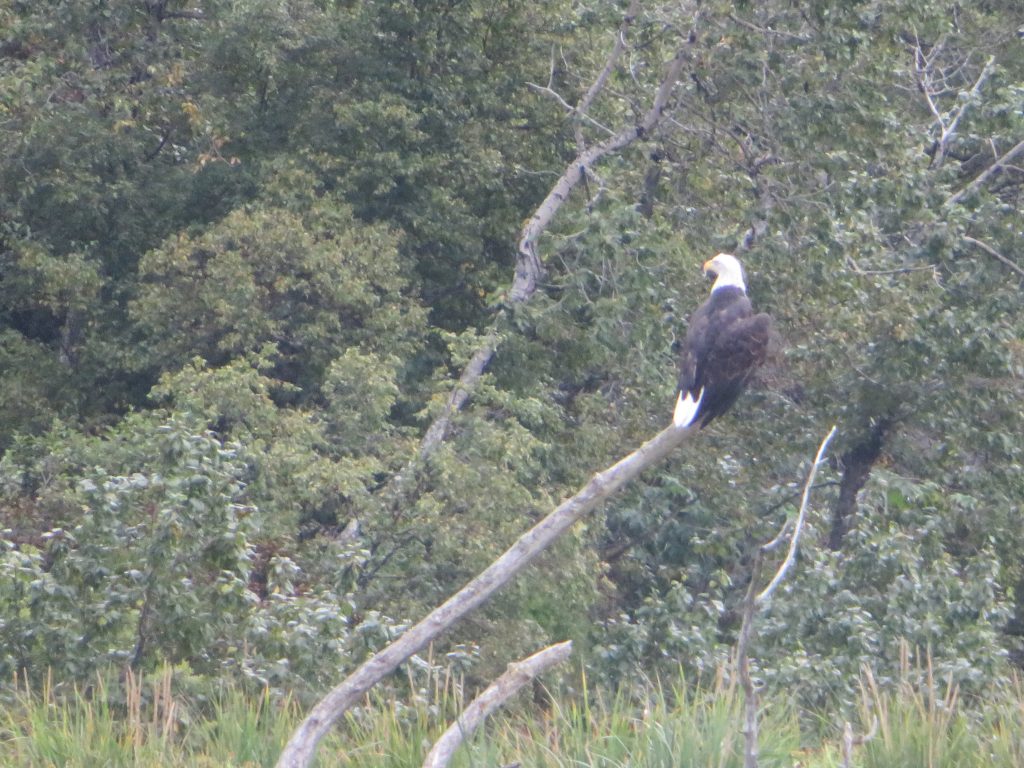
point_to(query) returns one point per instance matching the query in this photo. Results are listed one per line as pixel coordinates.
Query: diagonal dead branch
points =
(529, 269)
(753, 601)
(958, 113)
(497, 693)
(528, 265)
(994, 254)
(299, 750)
(767, 592)
(987, 174)
(587, 100)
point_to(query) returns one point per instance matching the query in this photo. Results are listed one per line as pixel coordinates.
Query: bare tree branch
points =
(501, 690)
(609, 66)
(935, 80)
(438, 429)
(529, 268)
(989, 172)
(994, 254)
(299, 750)
(547, 90)
(753, 601)
(798, 526)
(961, 110)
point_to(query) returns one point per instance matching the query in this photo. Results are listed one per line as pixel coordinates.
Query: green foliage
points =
(152, 557)
(246, 253)
(151, 563)
(312, 285)
(898, 587)
(104, 140)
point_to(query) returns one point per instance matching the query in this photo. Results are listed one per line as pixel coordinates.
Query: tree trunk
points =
(857, 465)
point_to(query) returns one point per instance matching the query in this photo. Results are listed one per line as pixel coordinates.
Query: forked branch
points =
(753, 601)
(798, 526)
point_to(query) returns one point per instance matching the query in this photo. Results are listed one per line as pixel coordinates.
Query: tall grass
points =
(90, 727)
(130, 721)
(924, 723)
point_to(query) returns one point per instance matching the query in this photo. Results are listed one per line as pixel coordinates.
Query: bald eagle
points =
(725, 343)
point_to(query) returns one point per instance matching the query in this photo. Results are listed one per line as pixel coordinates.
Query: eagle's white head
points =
(727, 271)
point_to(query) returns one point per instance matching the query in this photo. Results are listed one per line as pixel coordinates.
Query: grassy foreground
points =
(153, 723)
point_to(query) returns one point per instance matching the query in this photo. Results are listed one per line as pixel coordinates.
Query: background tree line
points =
(247, 248)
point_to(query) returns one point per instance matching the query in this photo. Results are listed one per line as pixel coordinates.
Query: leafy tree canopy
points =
(248, 248)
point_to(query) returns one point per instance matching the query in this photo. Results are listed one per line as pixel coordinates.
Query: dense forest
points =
(290, 348)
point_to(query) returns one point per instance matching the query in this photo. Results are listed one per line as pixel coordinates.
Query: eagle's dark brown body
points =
(725, 344)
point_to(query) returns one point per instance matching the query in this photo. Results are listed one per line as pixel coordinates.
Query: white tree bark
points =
(987, 174)
(299, 750)
(497, 693)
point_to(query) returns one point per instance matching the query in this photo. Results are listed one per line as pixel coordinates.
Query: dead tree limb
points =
(987, 174)
(994, 254)
(753, 601)
(750, 698)
(932, 72)
(519, 673)
(583, 107)
(798, 526)
(299, 750)
(529, 268)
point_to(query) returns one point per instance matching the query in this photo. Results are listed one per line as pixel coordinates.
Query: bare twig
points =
(767, 31)
(857, 269)
(497, 693)
(994, 254)
(299, 750)
(798, 526)
(549, 91)
(897, 271)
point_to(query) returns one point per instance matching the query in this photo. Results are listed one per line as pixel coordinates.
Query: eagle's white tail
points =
(686, 409)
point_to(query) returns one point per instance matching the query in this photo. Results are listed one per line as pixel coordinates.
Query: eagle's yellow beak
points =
(708, 266)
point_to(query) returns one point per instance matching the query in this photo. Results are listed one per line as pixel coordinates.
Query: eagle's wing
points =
(704, 335)
(693, 351)
(739, 349)
(725, 343)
